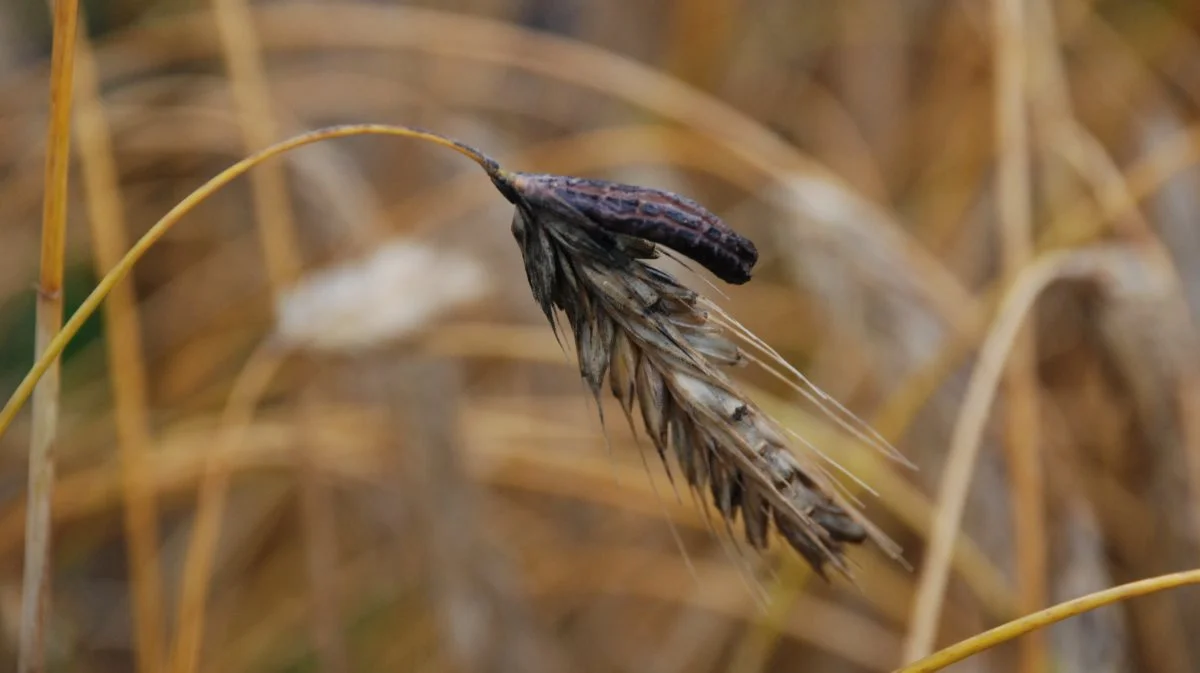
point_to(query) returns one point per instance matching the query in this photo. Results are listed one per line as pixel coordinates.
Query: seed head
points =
(660, 347)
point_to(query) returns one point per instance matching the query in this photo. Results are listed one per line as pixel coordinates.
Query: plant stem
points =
(36, 578)
(1006, 632)
(248, 389)
(1022, 437)
(248, 84)
(126, 365)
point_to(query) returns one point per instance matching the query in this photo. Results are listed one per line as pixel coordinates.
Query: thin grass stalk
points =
(251, 95)
(965, 441)
(35, 588)
(1022, 436)
(281, 252)
(248, 389)
(1043, 618)
(126, 367)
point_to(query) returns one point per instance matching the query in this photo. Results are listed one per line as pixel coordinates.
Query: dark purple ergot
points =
(651, 214)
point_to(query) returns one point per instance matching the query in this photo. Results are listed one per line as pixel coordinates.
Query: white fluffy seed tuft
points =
(398, 290)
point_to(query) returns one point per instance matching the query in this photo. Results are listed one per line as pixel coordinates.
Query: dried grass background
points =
(338, 361)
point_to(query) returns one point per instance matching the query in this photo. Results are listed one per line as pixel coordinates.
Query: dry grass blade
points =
(36, 579)
(247, 391)
(272, 204)
(106, 217)
(1043, 618)
(1022, 439)
(584, 244)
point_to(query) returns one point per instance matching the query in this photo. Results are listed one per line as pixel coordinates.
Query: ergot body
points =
(650, 214)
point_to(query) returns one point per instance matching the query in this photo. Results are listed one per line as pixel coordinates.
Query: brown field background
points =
(337, 360)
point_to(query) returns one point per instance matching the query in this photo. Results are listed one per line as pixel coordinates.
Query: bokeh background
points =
(337, 360)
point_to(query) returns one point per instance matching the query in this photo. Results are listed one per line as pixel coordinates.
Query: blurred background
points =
(337, 359)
